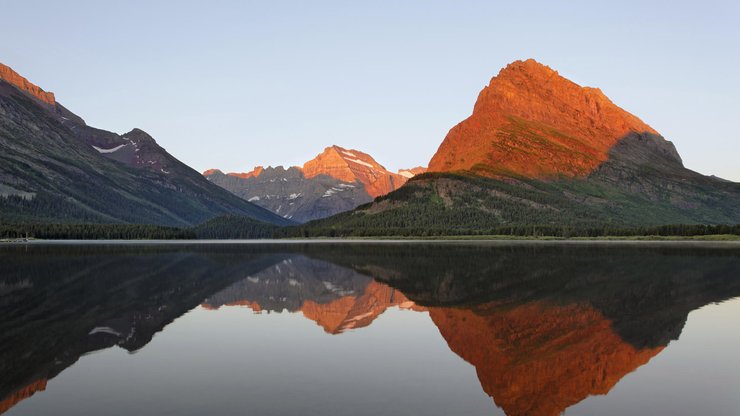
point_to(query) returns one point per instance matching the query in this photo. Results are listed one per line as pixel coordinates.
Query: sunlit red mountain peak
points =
(9, 75)
(351, 165)
(531, 121)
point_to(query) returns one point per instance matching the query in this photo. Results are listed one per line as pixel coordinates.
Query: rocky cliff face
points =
(257, 171)
(7, 74)
(335, 181)
(288, 193)
(533, 122)
(352, 165)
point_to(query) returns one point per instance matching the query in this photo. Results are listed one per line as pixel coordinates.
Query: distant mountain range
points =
(55, 168)
(540, 150)
(335, 181)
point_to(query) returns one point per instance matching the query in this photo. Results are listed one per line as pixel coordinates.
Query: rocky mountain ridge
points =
(531, 121)
(335, 181)
(350, 165)
(9, 75)
(56, 168)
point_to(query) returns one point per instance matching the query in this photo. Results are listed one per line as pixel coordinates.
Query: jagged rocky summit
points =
(335, 181)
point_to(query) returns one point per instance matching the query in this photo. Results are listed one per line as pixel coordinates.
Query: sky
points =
(235, 84)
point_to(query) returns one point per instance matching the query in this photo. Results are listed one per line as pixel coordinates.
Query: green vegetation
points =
(717, 232)
(441, 205)
(224, 227)
(95, 232)
(234, 227)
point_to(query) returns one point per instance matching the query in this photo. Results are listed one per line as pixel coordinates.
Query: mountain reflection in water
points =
(544, 325)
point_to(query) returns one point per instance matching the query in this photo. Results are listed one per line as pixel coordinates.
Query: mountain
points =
(540, 150)
(354, 166)
(55, 168)
(289, 193)
(531, 121)
(335, 181)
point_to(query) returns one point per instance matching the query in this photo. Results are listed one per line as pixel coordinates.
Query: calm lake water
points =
(370, 329)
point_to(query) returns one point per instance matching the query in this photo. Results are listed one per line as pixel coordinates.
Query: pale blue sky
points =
(233, 84)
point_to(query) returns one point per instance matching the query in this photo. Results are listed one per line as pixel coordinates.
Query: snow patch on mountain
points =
(360, 162)
(111, 150)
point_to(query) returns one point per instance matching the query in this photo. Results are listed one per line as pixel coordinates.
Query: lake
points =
(370, 328)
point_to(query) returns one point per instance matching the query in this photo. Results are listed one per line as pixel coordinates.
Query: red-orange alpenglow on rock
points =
(350, 165)
(244, 175)
(335, 181)
(530, 121)
(15, 79)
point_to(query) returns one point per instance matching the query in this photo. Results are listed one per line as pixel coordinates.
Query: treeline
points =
(449, 205)
(678, 230)
(682, 230)
(42, 208)
(237, 227)
(95, 232)
(234, 227)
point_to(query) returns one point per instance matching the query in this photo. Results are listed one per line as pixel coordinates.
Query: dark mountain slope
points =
(54, 168)
(287, 192)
